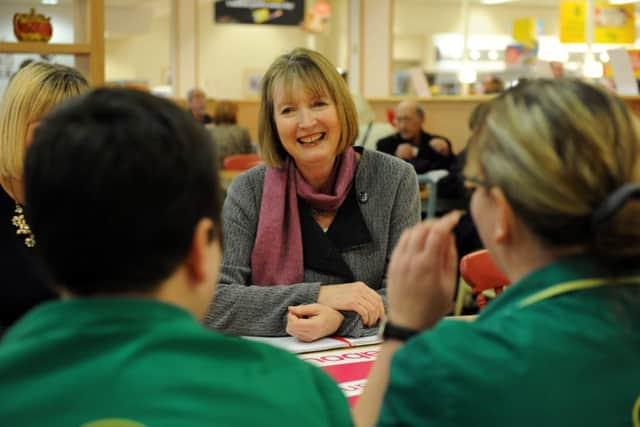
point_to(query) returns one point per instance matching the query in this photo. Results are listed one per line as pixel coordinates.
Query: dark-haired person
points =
(33, 90)
(122, 193)
(556, 172)
(310, 233)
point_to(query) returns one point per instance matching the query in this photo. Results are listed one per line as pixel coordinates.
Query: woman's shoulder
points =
(248, 182)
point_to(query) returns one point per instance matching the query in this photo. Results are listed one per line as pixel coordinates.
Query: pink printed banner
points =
(348, 367)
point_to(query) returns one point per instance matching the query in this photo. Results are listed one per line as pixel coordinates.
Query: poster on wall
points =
(613, 23)
(573, 21)
(263, 12)
(526, 30)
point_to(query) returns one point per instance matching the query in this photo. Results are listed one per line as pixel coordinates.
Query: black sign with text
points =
(262, 12)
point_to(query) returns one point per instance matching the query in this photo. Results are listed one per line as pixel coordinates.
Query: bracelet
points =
(390, 331)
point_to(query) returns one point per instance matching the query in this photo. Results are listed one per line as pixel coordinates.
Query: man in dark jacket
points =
(423, 150)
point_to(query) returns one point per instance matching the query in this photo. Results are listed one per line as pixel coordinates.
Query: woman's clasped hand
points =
(308, 322)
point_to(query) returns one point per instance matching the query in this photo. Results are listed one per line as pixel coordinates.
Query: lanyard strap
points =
(577, 285)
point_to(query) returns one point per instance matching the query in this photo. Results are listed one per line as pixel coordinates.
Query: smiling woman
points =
(308, 235)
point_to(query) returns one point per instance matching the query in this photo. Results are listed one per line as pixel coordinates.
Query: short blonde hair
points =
(557, 149)
(32, 91)
(319, 77)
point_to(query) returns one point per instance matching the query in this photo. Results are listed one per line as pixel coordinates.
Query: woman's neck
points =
(535, 255)
(321, 178)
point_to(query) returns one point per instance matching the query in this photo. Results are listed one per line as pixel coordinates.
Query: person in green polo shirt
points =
(123, 195)
(555, 170)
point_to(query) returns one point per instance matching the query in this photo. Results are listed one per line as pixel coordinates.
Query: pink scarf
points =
(277, 254)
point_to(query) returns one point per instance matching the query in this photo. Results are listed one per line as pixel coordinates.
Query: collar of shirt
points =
(565, 269)
(82, 314)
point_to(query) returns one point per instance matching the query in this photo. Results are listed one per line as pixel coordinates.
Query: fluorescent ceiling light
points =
(592, 68)
(467, 74)
(622, 1)
(49, 1)
(495, 1)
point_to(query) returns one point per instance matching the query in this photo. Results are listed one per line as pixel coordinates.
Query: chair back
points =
(481, 273)
(241, 162)
(431, 178)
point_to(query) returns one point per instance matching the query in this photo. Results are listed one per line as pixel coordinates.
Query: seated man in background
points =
(197, 101)
(228, 137)
(423, 150)
(122, 192)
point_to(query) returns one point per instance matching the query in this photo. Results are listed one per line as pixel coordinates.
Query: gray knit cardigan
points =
(392, 204)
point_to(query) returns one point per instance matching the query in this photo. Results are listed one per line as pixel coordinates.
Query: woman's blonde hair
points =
(32, 91)
(313, 72)
(558, 149)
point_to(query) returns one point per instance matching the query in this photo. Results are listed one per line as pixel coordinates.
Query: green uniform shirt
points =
(70, 363)
(569, 360)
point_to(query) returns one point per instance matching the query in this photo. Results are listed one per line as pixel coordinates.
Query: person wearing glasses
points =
(555, 169)
(424, 151)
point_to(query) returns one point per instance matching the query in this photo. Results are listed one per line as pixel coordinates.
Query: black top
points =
(427, 159)
(23, 279)
(323, 251)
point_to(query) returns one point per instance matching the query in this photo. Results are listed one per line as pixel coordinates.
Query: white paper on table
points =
(294, 345)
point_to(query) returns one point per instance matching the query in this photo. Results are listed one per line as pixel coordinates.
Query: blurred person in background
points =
(227, 136)
(197, 105)
(424, 151)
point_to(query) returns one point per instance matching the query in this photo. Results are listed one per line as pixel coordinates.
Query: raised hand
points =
(422, 274)
(406, 151)
(441, 146)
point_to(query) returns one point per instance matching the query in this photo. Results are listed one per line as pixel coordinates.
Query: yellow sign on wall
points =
(573, 21)
(612, 23)
(525, 31)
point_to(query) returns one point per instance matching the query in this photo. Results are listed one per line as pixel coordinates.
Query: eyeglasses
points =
(403, 119)
(473, 182)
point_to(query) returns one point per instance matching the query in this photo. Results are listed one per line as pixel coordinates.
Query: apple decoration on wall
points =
(32, 27)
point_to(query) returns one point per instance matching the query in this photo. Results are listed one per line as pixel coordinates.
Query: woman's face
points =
(308, 126)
